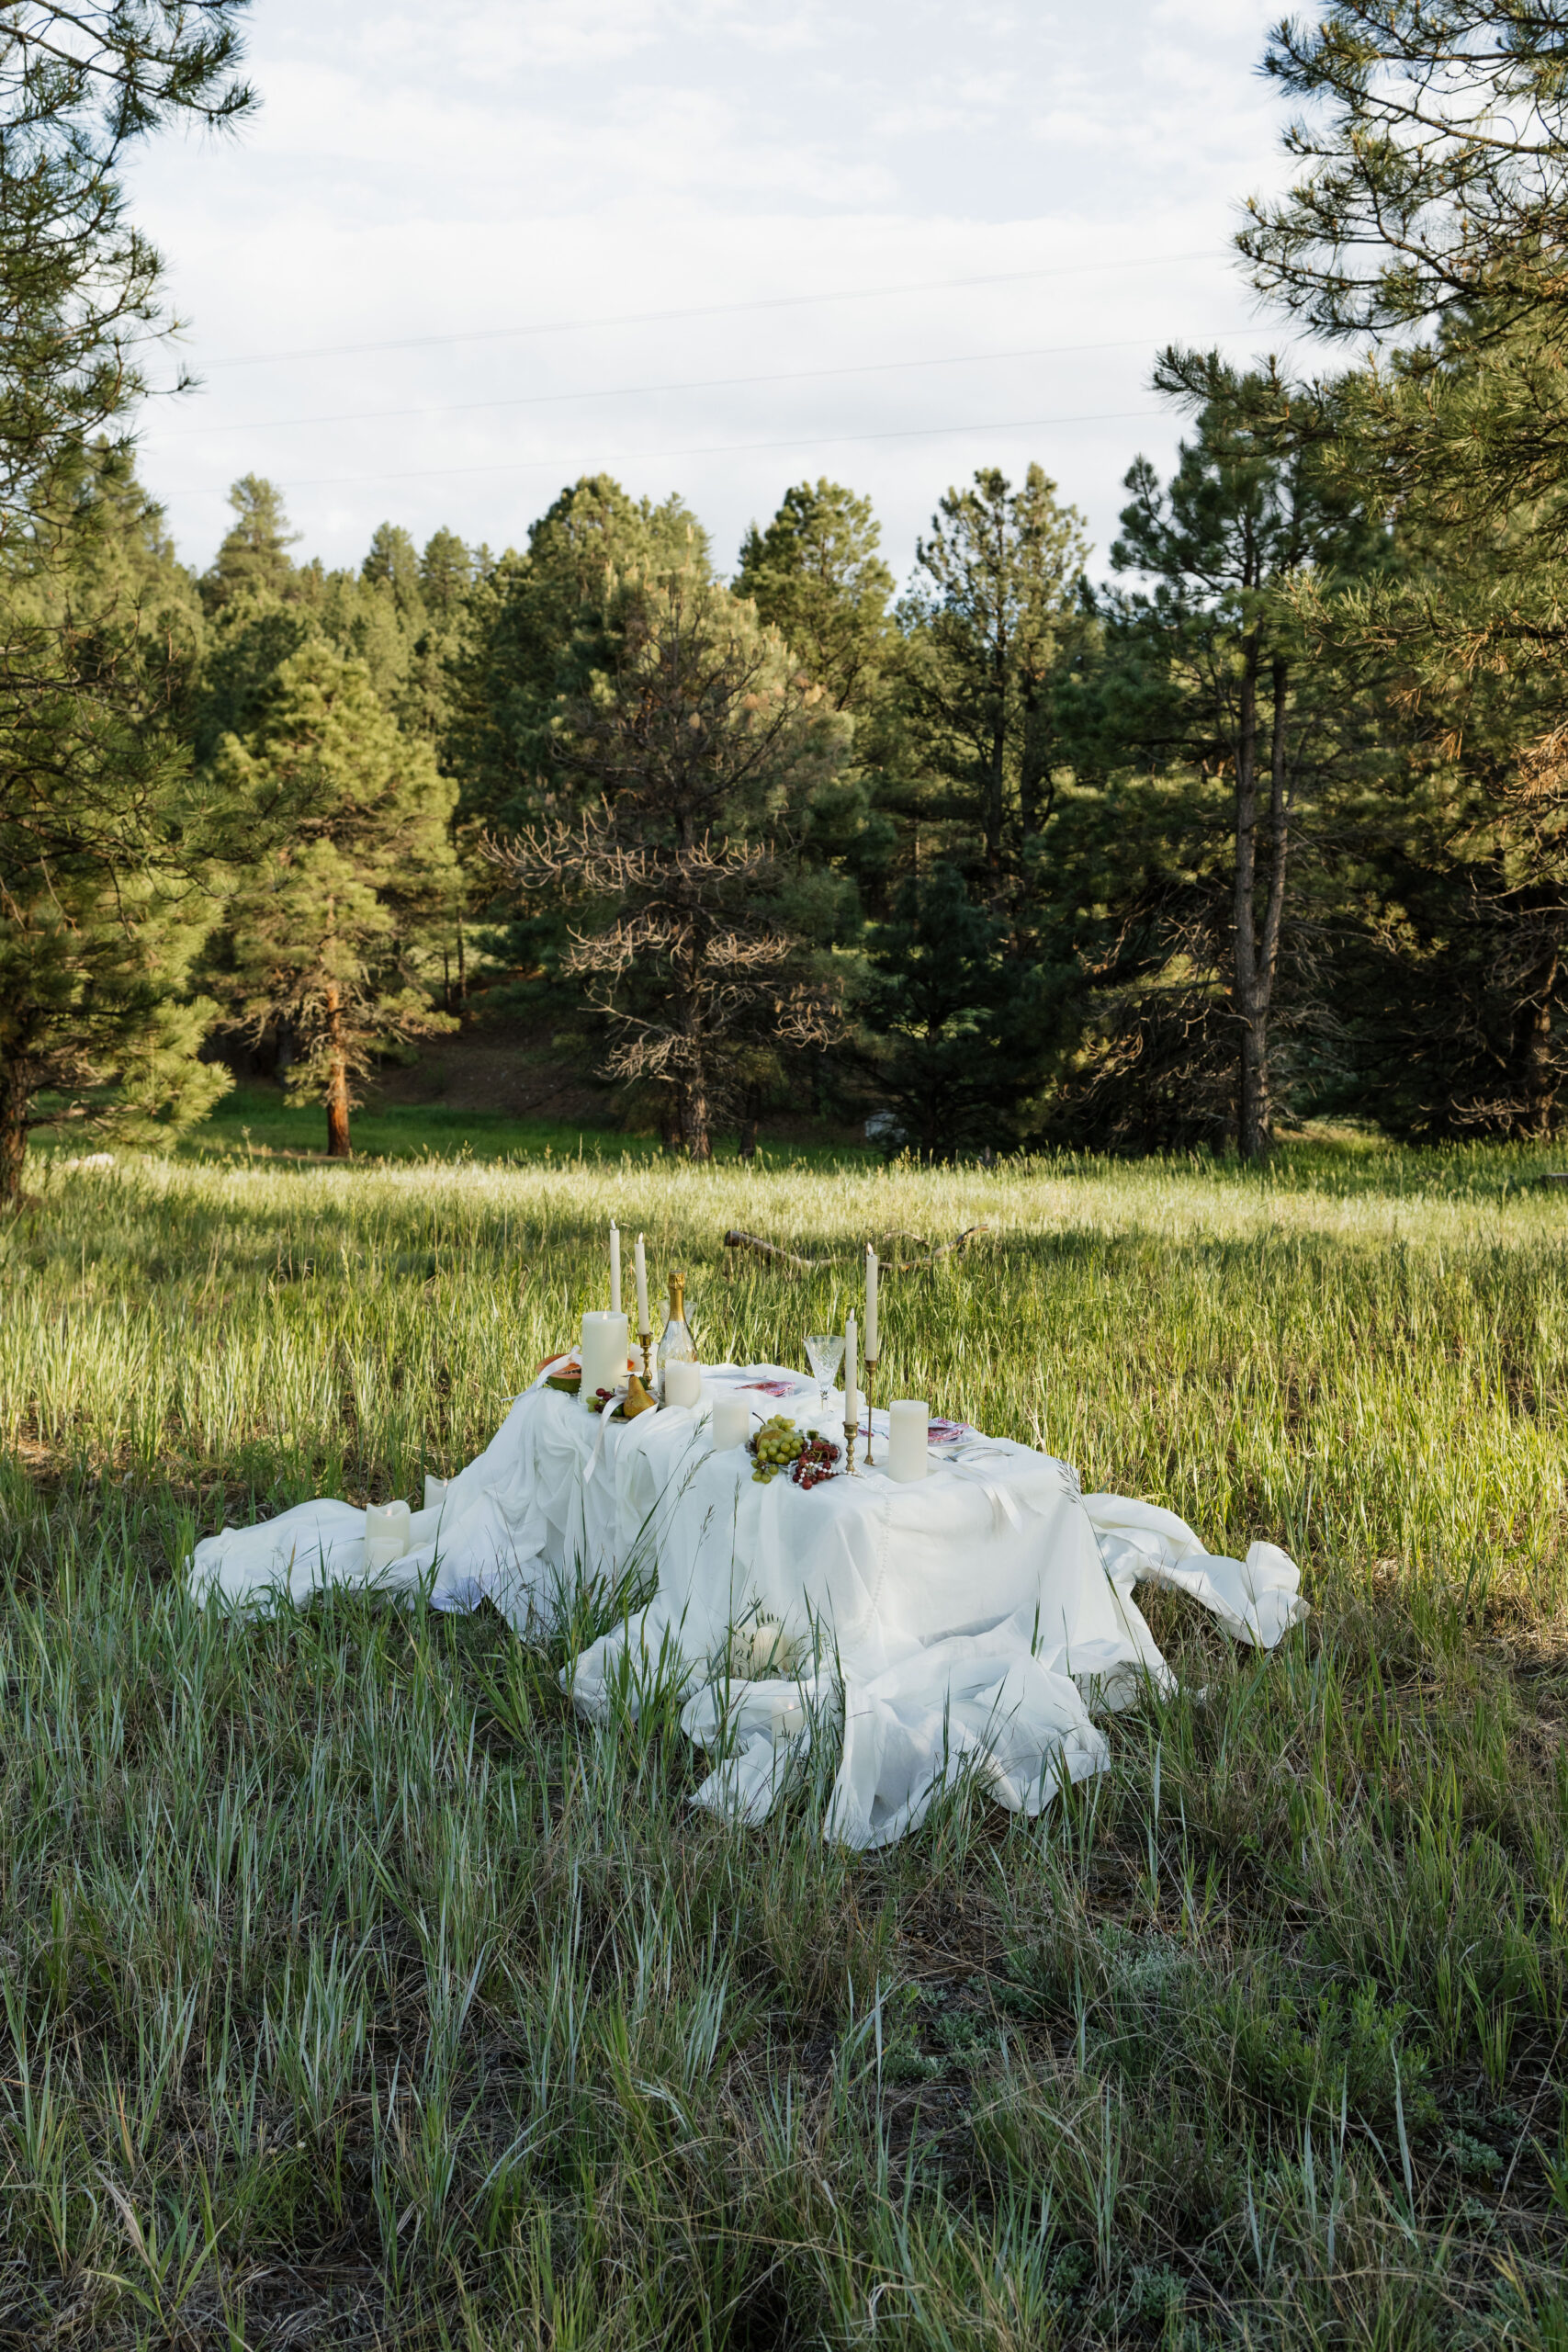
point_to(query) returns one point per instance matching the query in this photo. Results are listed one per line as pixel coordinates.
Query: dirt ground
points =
(507, 1066)
(516, 1068)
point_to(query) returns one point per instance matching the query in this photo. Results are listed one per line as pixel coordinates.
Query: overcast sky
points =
(467, 252)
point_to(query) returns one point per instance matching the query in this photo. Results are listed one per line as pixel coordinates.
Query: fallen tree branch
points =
(934, 1252)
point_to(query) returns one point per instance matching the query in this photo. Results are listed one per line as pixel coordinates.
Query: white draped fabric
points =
(969, 1623)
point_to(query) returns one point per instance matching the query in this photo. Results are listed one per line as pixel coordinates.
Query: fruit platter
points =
(778, 1446)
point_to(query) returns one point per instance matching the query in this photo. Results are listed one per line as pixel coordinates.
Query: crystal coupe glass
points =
(825, 1354)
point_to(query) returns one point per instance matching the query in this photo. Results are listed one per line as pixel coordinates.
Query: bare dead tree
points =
(679, 876)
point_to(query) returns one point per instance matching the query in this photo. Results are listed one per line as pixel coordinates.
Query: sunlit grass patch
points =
(355, 1992)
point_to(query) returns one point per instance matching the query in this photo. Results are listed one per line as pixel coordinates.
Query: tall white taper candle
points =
(871, 1351)
(852, 1386)
(614, 1266)
(640, 1268)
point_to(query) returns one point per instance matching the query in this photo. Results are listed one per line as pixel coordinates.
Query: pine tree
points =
(1430, 214)
(952, 1037)
(392, 560)
(100, 904)
(264, 608)
(365, 617)
(815, 575)
(445, 575)
(540, 623)
(688, 763)
(80, 303)
(253, 560)
(1435, 185)
(1249, 509)
(103, 902)
(986, 625)
(330, 917)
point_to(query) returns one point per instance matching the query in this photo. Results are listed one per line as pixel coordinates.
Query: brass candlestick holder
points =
(869, 1383)
(645, 1342)
(851, 1432)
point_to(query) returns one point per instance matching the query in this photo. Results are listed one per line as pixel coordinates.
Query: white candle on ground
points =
(871, 1348)
(771, 1649)
(614, 1266)
(385, 1535)
(434, 1491)
(852, 1387)
(603, 1353)
(639, 1267)
(682, 1382)
(908, 1434)
(731, 1423)
(760, 1651)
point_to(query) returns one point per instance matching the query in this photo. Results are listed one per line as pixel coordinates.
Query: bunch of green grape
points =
(776, 1444)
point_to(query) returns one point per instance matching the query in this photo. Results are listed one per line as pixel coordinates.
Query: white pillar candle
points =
(908, 1434)
(434, 1491)
(871, 1348)
(772, 1653)
(731, 1423)
(639, 1267)
(603, 1353)
(682, 1382)
(385, 1535)
(614, 1266)
(851, 1386)
(760, 1651)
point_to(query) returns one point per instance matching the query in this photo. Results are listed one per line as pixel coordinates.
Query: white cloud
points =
(483, 166)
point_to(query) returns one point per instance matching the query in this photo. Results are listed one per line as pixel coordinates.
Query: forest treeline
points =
(1265, 822)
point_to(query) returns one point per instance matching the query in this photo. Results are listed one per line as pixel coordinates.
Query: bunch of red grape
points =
(814, 1462)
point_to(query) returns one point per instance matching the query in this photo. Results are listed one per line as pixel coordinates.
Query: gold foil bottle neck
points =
(677, 1298)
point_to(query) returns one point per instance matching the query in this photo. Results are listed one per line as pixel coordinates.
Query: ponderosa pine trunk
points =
(1035, 790)
(1274, 906)
(696, 1140)
(1252, 1092)
(693, 1095)
(338, 1147)
(1257, 957)
(1541, 1080)
(13, 1131)
(996, 802)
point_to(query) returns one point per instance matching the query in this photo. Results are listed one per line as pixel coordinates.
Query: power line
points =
(734, 448)
(711, 309)
(693, 384)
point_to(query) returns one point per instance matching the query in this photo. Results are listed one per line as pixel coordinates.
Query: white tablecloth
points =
(971, 1621)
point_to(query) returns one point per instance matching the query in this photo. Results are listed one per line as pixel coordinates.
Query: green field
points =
(255, 1123)
(356, 1993)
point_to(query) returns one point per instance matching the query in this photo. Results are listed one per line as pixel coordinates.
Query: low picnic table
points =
(972, 1621)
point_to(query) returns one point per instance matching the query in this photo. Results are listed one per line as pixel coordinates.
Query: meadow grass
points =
(355, 1993)
(257, 1122)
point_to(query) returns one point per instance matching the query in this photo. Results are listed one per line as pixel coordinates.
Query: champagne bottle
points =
(676, 1344)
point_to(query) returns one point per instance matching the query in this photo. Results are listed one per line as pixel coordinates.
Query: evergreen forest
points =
(1255, 816)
